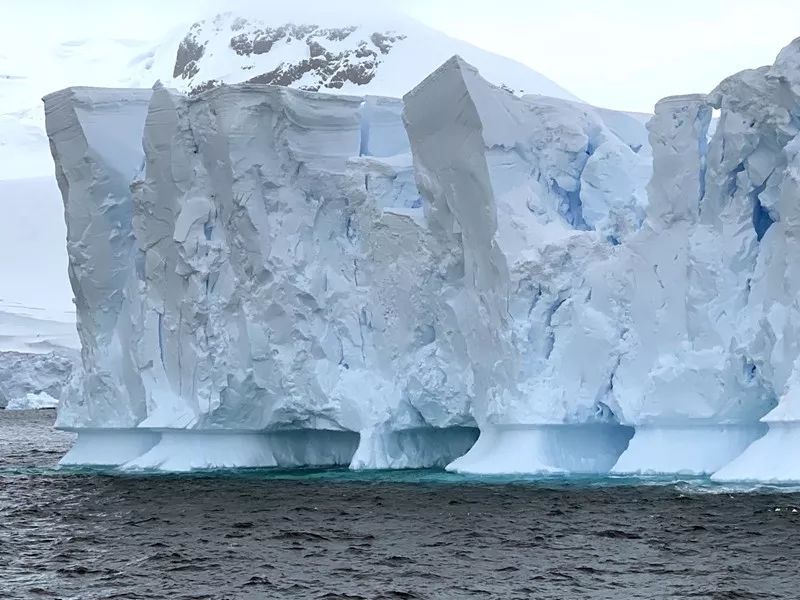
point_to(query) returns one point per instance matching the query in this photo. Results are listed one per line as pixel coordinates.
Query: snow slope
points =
(33, 272)
(38, 339)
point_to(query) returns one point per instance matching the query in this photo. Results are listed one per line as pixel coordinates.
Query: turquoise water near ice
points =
(30, 447)
(91, 534)
(685, 484)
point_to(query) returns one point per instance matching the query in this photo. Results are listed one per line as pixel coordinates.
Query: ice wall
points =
(282, 278)
(95, 140)
(522, 185)
(755, 151)
(679, 370)
(672, 316)
(279, 284)
(722, 212)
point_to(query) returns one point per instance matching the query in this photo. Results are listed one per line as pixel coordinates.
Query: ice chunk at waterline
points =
(503, 178)
(32, 401)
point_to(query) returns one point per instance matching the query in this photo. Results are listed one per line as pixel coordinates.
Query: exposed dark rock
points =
(189, 52)
(363, 51)
(315, 48)
(385, 41)
(360, 74)
(337, 35)
(242, 44)
(205, 86)
(328, 69)
(263, 44)
(261, 41)
(239, 23)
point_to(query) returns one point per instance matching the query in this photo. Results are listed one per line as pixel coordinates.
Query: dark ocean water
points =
(334, 534)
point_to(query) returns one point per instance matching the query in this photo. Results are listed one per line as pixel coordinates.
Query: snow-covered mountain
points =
(385, 55)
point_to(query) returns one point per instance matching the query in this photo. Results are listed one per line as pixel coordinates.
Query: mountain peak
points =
(360, 51)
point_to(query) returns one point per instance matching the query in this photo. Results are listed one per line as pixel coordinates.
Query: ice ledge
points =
(180, 450)
(108, 447)
(537, 449)
(413, 448)
(770, 459)
(685, 449)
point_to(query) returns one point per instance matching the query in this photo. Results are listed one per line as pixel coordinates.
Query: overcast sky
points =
(622, 54)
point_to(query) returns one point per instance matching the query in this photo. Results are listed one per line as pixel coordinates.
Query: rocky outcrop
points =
(329, 59)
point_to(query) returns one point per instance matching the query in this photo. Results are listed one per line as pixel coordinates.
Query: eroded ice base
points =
(180, 450)
(772, 458)
(187, 450)
(544, 449)
(687, 450)
(413, 448)
(109, 447)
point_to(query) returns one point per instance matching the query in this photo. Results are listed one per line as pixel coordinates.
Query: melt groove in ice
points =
(265, 276)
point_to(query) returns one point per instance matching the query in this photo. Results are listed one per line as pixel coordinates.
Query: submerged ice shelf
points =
(464, 278)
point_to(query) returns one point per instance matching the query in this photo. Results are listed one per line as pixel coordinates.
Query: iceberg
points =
(33, 401)
(260, 288)
(26, 375)
(465, 278)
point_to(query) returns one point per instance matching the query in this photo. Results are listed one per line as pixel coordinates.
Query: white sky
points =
(622, 54)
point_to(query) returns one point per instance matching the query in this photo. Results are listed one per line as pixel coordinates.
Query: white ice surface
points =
(270, 269)
(33, 402)
(35, 283)
(544, 449)
(109, 447)
(690, 450)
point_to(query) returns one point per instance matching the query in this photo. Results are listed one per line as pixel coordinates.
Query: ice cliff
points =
(366, 50)
(266, 276)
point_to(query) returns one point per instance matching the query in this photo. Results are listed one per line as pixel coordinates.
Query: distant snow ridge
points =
(31, 401)
(341, 51)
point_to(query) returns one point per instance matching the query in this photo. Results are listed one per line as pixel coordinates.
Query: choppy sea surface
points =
(331, 533)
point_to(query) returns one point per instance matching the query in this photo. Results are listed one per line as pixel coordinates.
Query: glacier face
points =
(283, 277)
(267, 272)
